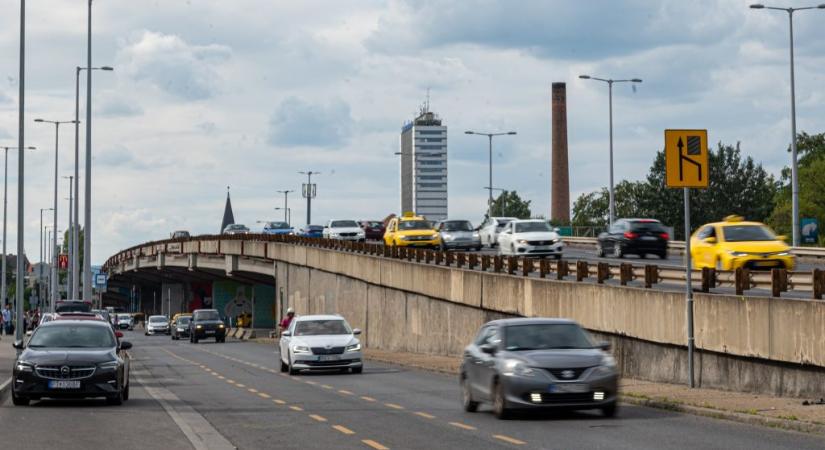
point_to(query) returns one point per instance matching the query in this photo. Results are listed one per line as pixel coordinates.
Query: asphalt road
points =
(232, 395)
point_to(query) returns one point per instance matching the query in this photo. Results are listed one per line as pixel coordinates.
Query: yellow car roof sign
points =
(408, 214)
(733, 218)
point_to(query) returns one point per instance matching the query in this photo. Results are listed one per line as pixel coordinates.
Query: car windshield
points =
(207, 315)
(157, 319)
(414, 225)
(743, 233)
(375, 224)
(528, 227)
(278, 225)
(545, 337)
(343, 224)
(321, 327)
(66, 307)
(123, 317)
(503, 222)
(457, 225)
(641, 226)
(72, 336)
(184, 320)
(315, 228)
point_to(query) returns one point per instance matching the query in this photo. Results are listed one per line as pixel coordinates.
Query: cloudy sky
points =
(245, 93)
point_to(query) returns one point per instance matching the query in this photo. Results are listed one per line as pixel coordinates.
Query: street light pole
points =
(75, 227)
(56, 153)
(21, 269)
(3, 298)
(794, 162)
(87, 206)
(309, 193)
(610, 81)
(286, 205)
(70, 243)
(42, 257)
(490, 151)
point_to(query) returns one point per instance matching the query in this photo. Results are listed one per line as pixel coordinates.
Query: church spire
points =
(228, 217)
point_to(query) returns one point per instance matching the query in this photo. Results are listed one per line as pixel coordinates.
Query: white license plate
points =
(648, 238)
(543, 247)
(568, 388)
(329, 358)
(210, 331)
(64, 384)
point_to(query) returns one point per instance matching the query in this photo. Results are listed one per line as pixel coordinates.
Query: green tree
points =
(509, 204)
(811, 150)
(593, 209)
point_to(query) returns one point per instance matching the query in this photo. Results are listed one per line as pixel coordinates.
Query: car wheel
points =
(292, 371)
(642, 255)
(609, 410)
(115, 400)
(467, 401)
(478, 249)
(599, 250)
(19, 401)
(126, 393)
(663, 255)
(617, 250)
(500, 408)
(358, 369)
(284, 366)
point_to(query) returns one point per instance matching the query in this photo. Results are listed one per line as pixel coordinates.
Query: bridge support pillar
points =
(193, 261)
(231, 264)
(161, 261)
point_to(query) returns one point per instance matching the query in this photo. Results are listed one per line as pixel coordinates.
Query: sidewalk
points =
(7, 355)
(779, 412)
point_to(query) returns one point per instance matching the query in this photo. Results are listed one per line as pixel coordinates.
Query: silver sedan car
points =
(529, 364)
(320, 342)
(458, 234)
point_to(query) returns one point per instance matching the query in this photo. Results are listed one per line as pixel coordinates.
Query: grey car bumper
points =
(532, 393)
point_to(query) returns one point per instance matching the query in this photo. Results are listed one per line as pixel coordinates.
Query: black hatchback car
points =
(71, 359)
(530, 364)
(206, 323)
(634, 237)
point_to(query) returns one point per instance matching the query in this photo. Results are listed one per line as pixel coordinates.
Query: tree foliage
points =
(509, 204)
(811, 151)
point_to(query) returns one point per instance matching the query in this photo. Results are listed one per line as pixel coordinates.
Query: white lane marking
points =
(200, 433)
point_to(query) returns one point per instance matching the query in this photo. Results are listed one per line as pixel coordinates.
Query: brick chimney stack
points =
(560, 182)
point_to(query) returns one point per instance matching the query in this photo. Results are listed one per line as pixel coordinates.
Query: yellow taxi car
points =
(410, 230)
(735, 243)
(176, 316)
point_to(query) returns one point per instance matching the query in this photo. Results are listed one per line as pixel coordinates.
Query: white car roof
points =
(320, 317)
(528, 220)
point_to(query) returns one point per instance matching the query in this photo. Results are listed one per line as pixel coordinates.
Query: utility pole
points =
(70, 242)
(309, 192)
(21, 223)
(286, 204)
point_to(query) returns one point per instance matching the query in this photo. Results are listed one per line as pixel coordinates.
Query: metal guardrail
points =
(808, 252)
(776, 281)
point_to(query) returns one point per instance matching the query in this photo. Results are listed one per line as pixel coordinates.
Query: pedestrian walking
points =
(5, 315)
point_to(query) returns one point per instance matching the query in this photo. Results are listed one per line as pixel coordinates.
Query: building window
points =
(431, 185)
(430, 131)
(431, 177)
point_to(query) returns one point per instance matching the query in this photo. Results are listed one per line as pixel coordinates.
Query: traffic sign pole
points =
(689, 287)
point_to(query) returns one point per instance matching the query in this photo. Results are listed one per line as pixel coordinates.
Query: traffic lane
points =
(243, 418)
(140, 423)
(406, 391)
(361, 419)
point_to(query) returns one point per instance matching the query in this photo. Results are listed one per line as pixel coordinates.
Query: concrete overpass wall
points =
(745, 343)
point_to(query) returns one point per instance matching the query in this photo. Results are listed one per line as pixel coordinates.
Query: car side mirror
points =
(118, 334)
(125, 345)
(710, 240)
(356, 331)
(286, 333)
(19, 345)
(604, 345)
(488, 348)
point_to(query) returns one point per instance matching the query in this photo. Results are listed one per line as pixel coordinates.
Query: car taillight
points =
(664, 236)
(630, 235)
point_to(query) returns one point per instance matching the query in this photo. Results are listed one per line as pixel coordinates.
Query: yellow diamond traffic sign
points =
(686, 158)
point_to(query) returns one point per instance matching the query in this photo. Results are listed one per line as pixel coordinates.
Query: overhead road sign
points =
(686, 158)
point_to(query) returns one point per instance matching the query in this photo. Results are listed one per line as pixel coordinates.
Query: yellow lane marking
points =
(230, 381)
(221, 377)
(504, 438)
(343, 429)
(263, 395)
(296, 408)
(425, 415)
(318, 418)
(393, 406)
(273, 370)
(278, 401)
(240, 385)
(462, 426)
(254, 391)
(374, 444)
(369, 399)
(345, 392)
(326, 386)
(311, 382)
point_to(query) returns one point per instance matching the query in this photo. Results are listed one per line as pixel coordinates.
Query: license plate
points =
(210, 331)
(648, 238)
(329, 358)
(64, 384)
(568, 388)
(765, 264)
(542, 247)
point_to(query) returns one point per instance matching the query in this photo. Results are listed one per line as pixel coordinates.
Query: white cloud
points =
(296, 122)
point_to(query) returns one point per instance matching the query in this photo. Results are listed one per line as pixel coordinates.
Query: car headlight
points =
(221, 325)
(522, 241)
(198, 327)
(476, 235)
(447, 237)
(519, 368)
(23, 366)
(354, 347)
(736, 254)
(300, 349)
(403, 238)
(110, 365)
(783, 254)
(180, 330)
(606, 368)
(608, 361)
(434, 236)
(554, 241)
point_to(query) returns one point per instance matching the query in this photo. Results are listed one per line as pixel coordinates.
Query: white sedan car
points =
(345, 230)
(489, 230)
(530, 238)
(320, 342)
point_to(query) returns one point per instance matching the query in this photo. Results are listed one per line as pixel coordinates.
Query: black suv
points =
(634, 236)
(206, 323)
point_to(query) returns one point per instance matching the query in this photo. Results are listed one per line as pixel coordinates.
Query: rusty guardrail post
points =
(779, 281)
(651, 275)
(526, 266)
(418, 255)
(512, 264)
(460, 259)
(439, 258)
(742, 280)
(473, 262)
(544, 268)
(428, 256)
(818, 283)
(581, 270)
(625, 273)
(562, 269)
(708, 279)
(485, 262)
(497, 264)
(450, 258)
(602, 272)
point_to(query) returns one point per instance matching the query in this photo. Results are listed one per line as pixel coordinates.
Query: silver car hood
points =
(345, 230)
(537, 236)
(561, 359)
(333, 340)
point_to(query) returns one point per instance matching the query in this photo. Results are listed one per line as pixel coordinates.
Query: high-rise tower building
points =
(424, 166)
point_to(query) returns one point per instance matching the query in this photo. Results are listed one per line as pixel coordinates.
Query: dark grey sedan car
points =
(538, 363)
